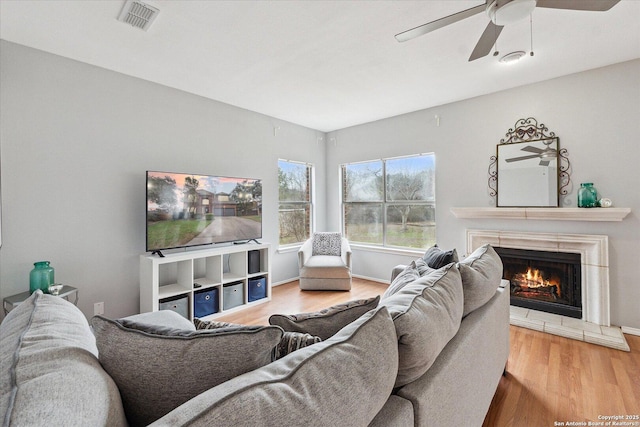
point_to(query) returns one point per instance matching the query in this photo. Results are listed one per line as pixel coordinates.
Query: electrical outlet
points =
(98, 308)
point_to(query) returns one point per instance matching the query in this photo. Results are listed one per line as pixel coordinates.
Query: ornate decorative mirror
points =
(529, 169)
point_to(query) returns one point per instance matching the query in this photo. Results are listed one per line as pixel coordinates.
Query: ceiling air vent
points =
(138, 14)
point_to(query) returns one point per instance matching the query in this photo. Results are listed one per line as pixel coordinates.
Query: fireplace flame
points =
(534, 279)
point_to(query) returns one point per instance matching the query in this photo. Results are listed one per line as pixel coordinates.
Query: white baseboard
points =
(273, 285)
(631, 331)
(373, 279)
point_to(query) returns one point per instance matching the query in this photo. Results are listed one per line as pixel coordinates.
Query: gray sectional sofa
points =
(430, 352)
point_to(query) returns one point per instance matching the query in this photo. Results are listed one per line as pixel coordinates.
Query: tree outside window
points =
(295, 201)
(390, 202)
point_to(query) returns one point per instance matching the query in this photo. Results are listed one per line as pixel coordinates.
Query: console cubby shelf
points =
(176, 275)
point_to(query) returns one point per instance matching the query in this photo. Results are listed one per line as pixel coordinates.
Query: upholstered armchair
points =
(325, 263)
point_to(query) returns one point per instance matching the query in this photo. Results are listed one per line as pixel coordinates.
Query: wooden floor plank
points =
(549, 380)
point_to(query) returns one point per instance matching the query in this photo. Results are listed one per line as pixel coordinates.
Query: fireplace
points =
(594, 262)
(544, 281)
(595, 324)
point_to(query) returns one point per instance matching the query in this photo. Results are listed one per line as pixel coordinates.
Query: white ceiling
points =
(326, 65)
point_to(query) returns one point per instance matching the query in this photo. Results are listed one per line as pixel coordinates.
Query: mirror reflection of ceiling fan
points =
(546, 154)
(501, 13)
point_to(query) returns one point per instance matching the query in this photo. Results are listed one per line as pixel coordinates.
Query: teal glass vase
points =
(41, 277)
(587, 196)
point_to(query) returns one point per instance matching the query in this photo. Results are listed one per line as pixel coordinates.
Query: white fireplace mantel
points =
(553, 214)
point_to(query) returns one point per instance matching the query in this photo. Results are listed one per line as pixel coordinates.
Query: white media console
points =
(235, 276)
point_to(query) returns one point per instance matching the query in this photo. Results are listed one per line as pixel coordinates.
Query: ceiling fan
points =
(546, 154)
(501, 13)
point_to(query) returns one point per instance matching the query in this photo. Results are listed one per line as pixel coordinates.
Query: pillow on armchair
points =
(327, 243)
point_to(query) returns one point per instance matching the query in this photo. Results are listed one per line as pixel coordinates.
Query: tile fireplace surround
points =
(594, 327)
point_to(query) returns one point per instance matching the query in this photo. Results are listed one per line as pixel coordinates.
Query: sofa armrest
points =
(475, 358)
(345, 252)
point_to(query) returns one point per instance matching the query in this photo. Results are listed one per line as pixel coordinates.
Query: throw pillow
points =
(406, 276)
(426, 315)
(160, 368)
(290, 342)
(326, 384)
(50, 370)
(167, 318)
(213, 324)
(481, 274)
(327, 322)
(326, 243)
(437, 258)
(423, 268)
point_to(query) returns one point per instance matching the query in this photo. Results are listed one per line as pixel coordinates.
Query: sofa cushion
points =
(398, 411)
(158, 368)
(327, 322)
(481, 274)
(164, 318)
(408, 275)
(325, 267)
(426, 314)
(423, 267)
(437, 258)
(326, 243)
(343, 381)
(50, 369)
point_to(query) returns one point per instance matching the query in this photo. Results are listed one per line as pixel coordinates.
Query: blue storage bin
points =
(205, 302)
(257, 288)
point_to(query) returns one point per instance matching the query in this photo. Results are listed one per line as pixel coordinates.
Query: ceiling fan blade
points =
(486, 42)
(517, 159)
(545, 162)
(589, 5)
(439, 23)
(532, 149)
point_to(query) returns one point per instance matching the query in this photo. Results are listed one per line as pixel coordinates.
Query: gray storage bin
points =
(232, 295)
(179, 304)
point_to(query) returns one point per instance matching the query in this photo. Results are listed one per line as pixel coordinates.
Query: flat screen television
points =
(186, 210)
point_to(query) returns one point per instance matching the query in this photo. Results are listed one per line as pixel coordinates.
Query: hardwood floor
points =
(550, 380)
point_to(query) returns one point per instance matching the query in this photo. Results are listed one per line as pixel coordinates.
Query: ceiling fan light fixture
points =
(513, 57)
(504, 12)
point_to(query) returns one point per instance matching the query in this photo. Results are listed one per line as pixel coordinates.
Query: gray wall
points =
(76, 141)
(596, 115)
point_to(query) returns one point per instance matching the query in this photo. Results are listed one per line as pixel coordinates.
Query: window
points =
(390, 202)
(295, 201)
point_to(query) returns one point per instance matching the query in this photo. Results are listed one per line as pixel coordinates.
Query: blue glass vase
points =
(41, 277)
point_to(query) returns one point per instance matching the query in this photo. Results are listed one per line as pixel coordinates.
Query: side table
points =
(11, 302)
